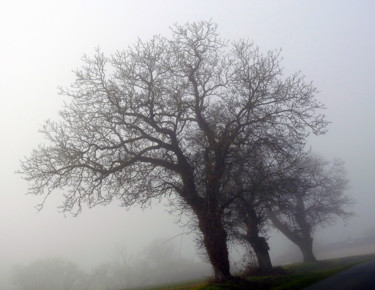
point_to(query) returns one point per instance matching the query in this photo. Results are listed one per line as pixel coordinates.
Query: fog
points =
(331, 42)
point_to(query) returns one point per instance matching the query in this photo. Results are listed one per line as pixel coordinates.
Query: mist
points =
(331, 43)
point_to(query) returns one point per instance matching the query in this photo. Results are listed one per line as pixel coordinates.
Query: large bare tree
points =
(162, 118)
(313, 196)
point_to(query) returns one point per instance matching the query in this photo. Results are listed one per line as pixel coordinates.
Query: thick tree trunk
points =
(261, 249)
(215, 242)
(306, 247)
(208, 210)
(304, 241)
(258, 243)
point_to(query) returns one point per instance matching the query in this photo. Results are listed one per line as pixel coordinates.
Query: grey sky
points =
(331, 42)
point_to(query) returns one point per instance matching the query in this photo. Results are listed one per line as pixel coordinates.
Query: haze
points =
(331, 42)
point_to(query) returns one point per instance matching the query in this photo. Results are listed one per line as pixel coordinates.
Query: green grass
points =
(296, 276)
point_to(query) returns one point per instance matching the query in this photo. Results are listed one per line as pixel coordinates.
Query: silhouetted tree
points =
(162, 118)
(257, 177)
(314, 196)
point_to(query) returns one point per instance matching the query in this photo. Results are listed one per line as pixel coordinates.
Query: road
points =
(359, 277)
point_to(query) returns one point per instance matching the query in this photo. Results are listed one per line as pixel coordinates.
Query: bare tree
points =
(256, 177)
(314, 197)
(161, 119)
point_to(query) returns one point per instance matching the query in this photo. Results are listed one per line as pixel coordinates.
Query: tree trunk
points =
(259, 244)
(215, 242)
(261, 249)
(208, 210)
(306, 247)
(304, 241)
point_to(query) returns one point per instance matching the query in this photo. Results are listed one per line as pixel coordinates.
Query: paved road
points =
(360, 277)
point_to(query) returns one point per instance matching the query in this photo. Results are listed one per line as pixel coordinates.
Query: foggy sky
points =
(331, 42)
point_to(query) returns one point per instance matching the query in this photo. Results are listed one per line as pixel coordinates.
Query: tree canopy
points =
(165, 117)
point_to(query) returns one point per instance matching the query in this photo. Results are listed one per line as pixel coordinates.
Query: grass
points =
(296, 276)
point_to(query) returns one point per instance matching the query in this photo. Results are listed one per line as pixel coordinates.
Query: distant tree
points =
(104, 276)
(123, 269)
(162, 119)
(257, 177)
(47, 274)
(158, 263)
(314, 196)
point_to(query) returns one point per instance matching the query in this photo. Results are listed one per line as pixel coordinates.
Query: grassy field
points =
(296, 276)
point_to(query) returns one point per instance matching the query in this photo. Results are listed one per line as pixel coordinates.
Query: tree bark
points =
(209, 217)
(261, 249)
(306, 247)
(304, 241)
(258, 243)
(215, 242)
